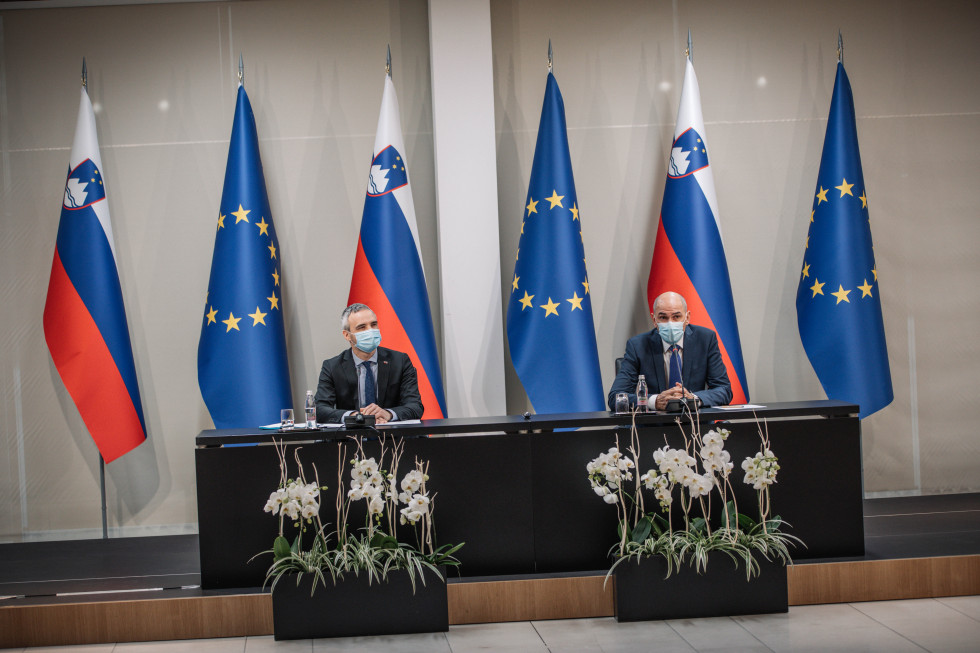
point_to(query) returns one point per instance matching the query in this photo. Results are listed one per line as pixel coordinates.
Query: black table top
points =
(523, 424)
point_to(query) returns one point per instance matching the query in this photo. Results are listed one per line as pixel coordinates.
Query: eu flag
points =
(241, 358)
(838, 305)
(549, 315)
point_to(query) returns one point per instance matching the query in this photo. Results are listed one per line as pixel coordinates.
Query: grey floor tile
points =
(609, 636)
(820, 628)
(267, 643)
(516, 636)
(414, 643)
(968, 605)
(931, 624)
(216, 645)
(716, 634)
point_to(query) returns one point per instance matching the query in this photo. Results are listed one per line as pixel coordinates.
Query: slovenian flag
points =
(388, 273)
(84, 316)
(689, 257)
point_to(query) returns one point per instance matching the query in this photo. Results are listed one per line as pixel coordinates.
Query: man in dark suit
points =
(367, 378)
(674, 348)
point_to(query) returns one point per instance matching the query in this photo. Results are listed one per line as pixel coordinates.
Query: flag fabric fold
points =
(550, 329)
(242, 366)
(838, 305)
(688, 256)
(388, 274)
(85, 324)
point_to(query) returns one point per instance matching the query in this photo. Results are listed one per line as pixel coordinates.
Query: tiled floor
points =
(949, 624)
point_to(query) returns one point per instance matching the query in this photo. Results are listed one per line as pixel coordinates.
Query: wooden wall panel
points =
(883, 580)
(476, 602)
(523, 600)
(136, 621)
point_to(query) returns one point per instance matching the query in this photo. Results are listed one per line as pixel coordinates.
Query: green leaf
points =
(280, 548)
(642, 530)
(698, 525)
(660, 525)
(295, 547)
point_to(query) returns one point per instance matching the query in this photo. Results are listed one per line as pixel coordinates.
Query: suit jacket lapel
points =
(690, 346)
(350, 375)
(657, 358)
(384, 368)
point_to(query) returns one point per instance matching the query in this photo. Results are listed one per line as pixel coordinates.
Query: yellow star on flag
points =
(211, 315)
(232, 322)
(822, 195)
(526, 300)
(516, 279)
(272, 249)
(240, 215)
(817, 287)
(864, 200)
(874, 271)
(841, 294)
(257, 317)
(221, 221)
(574, 211)
(263, 227)
(586, 284)
(866, 289)
(845, 188)
(575, 301)
(273, 301)
(532, 206)
(555, 199)
(549, 308)
(275, 275)
(806, 269)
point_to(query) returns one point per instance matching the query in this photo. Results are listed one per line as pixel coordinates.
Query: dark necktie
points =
(370, 392)
(675, 376)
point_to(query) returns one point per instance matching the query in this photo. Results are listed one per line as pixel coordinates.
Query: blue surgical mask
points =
(671, 332)
(368, 341)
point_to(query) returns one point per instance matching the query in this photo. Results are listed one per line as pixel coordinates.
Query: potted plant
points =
(661, 559)
(333, 581)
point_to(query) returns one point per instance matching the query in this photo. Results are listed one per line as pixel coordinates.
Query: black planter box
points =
(352, 607)
(643, 593)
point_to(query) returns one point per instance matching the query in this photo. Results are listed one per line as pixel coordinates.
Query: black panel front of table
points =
(482, 501)
(523, 504)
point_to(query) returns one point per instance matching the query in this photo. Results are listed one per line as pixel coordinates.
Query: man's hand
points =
(677, 392)
(380, 414)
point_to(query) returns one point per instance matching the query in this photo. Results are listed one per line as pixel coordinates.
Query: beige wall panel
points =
(163, 80)
(766, 71)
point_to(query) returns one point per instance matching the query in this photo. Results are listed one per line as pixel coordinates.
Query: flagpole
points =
(551, 58)
(241, 70)
(388, 62)
(105, 521)
(690, 47)
(840, 47)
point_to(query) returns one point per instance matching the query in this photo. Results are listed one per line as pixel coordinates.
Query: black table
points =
(515, 489)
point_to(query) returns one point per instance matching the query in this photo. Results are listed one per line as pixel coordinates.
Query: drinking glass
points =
(287, 418)
(622, 403)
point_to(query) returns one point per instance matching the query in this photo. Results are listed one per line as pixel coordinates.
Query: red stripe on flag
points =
(88, 370)
(365, 289)
(667, 274)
